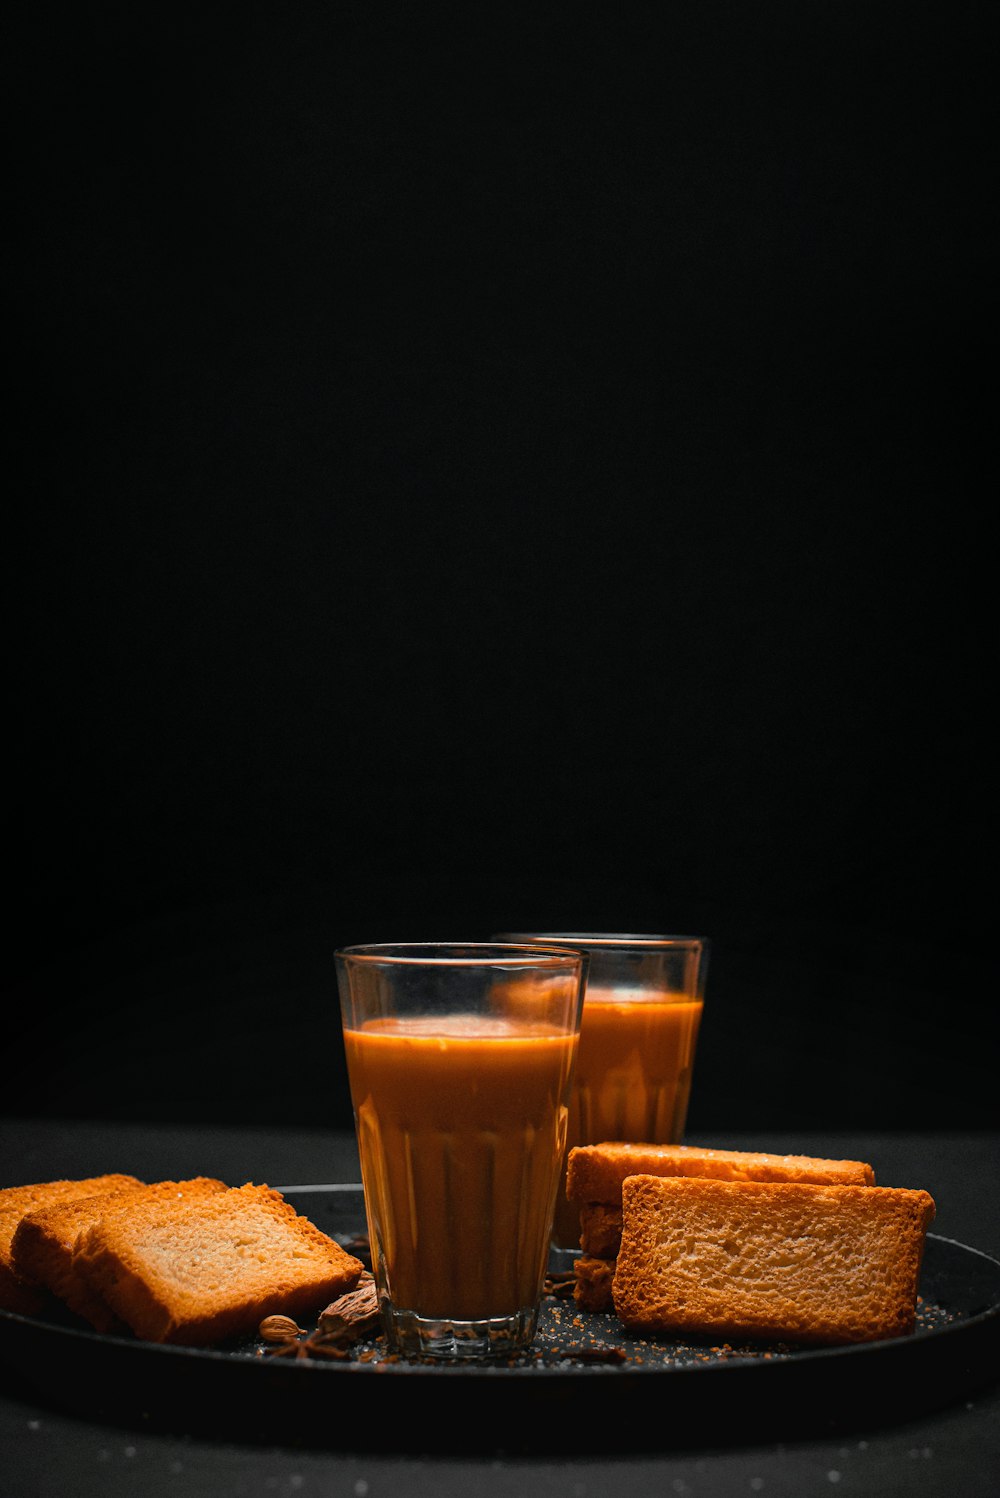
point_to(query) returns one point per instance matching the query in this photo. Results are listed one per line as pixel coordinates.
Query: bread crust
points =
(777, 1261)
(212, 1267)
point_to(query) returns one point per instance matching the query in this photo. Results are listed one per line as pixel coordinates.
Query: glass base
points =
(432, 1337)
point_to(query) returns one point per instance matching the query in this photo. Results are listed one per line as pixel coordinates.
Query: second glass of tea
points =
(641, 1015)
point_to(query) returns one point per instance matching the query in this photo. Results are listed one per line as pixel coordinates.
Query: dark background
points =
(487, 468)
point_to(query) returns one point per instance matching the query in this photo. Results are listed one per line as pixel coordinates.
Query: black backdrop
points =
(485, 467)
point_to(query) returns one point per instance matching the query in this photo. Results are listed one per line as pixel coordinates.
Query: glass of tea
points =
(459, 1059)
(641, 1014)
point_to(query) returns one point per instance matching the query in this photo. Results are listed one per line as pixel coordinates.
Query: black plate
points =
(664, 1394)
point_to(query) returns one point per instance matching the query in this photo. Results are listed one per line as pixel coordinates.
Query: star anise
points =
(313, 1346)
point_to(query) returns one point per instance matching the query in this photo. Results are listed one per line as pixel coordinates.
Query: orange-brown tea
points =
(633, 1077)
(461, 1124)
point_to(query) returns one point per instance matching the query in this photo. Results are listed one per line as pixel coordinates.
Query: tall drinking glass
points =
(459, 1059)
(641, 1014)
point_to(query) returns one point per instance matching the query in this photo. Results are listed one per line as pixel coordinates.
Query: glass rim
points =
(455, 954)
(609, 941)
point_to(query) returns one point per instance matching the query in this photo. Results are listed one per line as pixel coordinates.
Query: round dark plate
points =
(662, 1394)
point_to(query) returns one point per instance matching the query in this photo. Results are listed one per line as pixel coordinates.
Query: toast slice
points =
(596, 1172)
(594, 1282)
(775, 1261)
(600, 1229)
(46, 1240)
(20, 1292)
(211, 1267)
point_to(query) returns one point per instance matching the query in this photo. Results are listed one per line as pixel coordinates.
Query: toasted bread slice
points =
(594, 1280)
(46, 1240)
(600, 1229)
(596, 1171)
(209, 1268)
(19, 1292)
(774, 1261)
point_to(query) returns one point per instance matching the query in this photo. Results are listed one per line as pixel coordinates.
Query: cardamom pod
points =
(278, 1329)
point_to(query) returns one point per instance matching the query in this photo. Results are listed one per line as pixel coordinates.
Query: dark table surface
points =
(953, 1450)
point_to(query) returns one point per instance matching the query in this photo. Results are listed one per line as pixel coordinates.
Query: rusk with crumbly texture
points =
(600, 1228)
(595, 1172)
(594, 1281)
(770, 1261)
(20, 1292)
(46, 1240)
(211, 1268)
